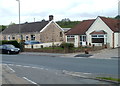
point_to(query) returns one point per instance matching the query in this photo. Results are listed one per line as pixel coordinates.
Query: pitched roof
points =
(113, 24)
(81, 28)
(26, 27)
(98, 32)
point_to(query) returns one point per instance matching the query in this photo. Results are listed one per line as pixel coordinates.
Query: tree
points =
(2, 27)
(117, 17)
(67, 23)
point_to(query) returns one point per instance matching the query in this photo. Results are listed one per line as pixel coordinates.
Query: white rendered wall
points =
(76, 44)
(117, 39)
(100, 25)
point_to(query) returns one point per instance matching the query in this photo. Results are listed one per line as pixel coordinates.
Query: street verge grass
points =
(109, 78)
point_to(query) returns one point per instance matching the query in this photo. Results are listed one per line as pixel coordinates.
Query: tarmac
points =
(8, 75)
(101, 54)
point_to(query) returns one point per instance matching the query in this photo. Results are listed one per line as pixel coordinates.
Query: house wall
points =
(100, 25)
(6, 35)
(37, 36)
(49, 34)
(117, 39)
(76, 44)
(0, 36)
(52, 34)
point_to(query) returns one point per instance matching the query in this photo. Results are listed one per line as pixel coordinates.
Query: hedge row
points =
(13, 42)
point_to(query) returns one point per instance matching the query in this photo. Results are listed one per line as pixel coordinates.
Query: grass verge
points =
(109, 78)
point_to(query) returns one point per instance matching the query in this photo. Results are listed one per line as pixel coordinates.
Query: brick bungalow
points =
(43, 31)
(98, 32)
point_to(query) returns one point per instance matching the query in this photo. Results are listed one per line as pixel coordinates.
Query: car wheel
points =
(8, 52)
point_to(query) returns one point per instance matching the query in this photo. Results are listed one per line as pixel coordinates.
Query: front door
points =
(83, 40)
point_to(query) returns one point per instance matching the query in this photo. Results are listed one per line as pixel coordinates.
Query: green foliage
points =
(66, 23)
(67, 45)
(13, 42)
(2, 27)
(117, 17)
(109, 78)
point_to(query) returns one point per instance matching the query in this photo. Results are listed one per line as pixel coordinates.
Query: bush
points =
(13, 42)
(67, 45)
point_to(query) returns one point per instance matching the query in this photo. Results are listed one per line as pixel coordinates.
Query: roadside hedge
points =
(67, 45)
(13, 42)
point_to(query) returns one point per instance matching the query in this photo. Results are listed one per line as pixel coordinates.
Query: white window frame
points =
(82, 39)
(33, 38)
(98, 36)
(70, 36)
(26, 37)
(8, 37)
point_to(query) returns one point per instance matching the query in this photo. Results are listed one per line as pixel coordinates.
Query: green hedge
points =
(13, 42)
(67, 45)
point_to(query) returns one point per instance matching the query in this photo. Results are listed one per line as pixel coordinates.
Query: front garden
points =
(64, 48)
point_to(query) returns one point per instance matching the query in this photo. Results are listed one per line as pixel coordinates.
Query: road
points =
(107, 66)
(30, 66)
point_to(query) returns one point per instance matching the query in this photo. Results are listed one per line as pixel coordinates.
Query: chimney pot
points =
(51, 17)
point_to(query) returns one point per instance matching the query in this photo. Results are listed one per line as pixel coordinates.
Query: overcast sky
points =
(41, 9)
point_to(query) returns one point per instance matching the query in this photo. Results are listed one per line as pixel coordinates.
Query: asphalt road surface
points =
(37, 75)
(30, 66)
(88, 65)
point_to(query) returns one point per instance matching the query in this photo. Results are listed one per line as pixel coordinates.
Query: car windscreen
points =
(10, 46)
(1, 46)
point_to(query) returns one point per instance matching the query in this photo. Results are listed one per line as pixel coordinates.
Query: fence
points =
(43, 45)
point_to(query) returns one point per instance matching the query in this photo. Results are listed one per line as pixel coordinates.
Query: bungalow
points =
(98, 32)
(43, 31)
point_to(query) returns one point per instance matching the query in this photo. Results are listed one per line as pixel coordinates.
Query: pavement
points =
(9, 76)
(101, 54)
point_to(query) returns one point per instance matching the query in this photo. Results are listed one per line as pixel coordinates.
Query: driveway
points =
(106, 54)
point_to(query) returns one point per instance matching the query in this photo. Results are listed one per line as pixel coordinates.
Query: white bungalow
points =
(98, 32)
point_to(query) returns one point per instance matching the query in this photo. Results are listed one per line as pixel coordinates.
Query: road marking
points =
(30, 81)
(10, 68)
(11, 64)
(18, 65)
(76, 75)
(36, 67)
(87, 73)
(26, 66)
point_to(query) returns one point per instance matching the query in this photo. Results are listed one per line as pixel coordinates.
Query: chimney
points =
(51, 17)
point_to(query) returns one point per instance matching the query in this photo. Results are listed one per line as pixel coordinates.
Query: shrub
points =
(67, 45)
(13, 42)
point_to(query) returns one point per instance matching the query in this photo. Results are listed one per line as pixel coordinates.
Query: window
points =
(101, 36)
(32, 37)
(26, 37)
(13, 37)
(4, 37)
(98, 38)
(9, 37)
(70, 38)
(82, 38)
(61, 34)
(94, 35)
